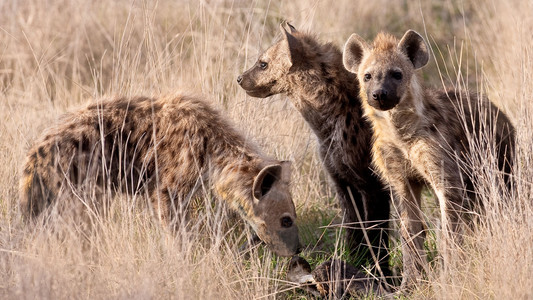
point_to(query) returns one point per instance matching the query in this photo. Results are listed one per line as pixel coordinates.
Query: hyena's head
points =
(274, 218)
(268, 76)
(385, 70)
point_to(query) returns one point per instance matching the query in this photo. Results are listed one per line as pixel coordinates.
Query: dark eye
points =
(286, 222)
(263, 65)
(368, 76)
(397, 75)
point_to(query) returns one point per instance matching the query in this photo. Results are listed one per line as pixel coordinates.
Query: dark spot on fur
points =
(244, 169)
(108, 125)
(156, 107)
(173, 152)
(353, 139)
(355, 129)
(352, 101)
(28, 169)
(85, 145)
(203, 154)
(68, 141)
(348, 120)
(41, 152)
(173, 179)
(324, 69)
(74, 172)
(345, 135)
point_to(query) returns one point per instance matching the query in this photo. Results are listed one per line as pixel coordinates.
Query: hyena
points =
(167, 148)
(311, 74)
(424, 136)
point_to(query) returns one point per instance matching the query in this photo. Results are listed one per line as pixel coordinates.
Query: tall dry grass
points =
(56, 54)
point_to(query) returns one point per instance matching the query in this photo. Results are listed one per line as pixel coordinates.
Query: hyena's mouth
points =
(260, 93)
(383, 105)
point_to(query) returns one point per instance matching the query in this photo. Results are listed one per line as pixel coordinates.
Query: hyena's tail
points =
(35, 191)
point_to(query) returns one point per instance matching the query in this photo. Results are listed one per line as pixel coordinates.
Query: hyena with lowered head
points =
(167, 148)
(313, 77)
(424, 136)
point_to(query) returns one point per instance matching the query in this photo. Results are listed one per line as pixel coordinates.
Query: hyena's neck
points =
(411, 111)
(233, 173)
(325, 91)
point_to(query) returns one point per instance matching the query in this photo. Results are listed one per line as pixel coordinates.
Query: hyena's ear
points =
(286, 170)
(291, 47)
(353, 53)
(413, 45)
(288, 27)
(266, 178)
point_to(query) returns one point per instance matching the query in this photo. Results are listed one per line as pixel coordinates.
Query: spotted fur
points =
(424, 137)
(322, 90)
(167, 148)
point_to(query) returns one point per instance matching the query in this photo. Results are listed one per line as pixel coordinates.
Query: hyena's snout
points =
(281, 236)
(239, 79)
(380, 95)
(383, 99)
(291, 236)
(287, 242)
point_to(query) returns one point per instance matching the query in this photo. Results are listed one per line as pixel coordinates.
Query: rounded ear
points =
(266, 178)
(413, 45)
(354, 50)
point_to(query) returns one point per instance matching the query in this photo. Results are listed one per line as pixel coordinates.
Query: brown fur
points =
(312, 75)
(166, 148)
(420, 136)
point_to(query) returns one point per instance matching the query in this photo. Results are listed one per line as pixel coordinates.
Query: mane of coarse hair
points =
(312, 42)
(384, 42)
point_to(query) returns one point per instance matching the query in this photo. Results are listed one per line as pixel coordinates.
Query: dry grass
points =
(56, 54)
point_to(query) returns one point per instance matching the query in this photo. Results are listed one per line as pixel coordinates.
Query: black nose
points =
(239, 79)
(379, 95)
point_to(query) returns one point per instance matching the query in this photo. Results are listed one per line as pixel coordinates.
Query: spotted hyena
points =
(166, 148)
(424, 136)
(312, 75)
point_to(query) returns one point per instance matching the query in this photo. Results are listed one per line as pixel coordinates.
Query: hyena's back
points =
(114, 145)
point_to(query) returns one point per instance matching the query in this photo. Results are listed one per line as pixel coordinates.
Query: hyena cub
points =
(312, 75)
(423, 136)
(166, 148)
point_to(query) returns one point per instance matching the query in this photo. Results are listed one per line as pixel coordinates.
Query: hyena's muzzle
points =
(256, 81)
(383, 95)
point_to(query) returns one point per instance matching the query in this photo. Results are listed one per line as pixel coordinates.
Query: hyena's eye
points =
(397, 75)
(367, 77)
(263, 65)
(286, 222)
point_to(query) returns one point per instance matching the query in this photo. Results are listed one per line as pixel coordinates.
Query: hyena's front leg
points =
(394, 169)
(412, 231)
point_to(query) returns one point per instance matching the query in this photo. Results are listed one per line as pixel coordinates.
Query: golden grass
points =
(56, 54)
